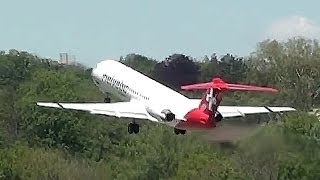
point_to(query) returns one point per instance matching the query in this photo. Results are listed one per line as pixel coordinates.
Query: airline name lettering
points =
(120, 86)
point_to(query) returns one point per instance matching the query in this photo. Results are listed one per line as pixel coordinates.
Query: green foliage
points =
(292, 66)
(209, 69)
(22, 162)
(303, 124)
(139, 63)
(176, 70)
(232, 69)
(42, 143)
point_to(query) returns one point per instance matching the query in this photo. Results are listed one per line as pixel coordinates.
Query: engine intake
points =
(169, 116)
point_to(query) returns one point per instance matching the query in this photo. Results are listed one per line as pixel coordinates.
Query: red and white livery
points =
(143, 98)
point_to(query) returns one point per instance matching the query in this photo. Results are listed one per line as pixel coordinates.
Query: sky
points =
(103, 29)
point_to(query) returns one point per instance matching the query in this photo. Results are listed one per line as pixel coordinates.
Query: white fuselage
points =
(127, 84)
(150, 100)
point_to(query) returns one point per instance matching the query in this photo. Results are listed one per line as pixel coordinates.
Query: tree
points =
(232, 69)
(292, 66)
(139, 63)
(209, 68)
(176, 70)
(14, 69)
(55, 143)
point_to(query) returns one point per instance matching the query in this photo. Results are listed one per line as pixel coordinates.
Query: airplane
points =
(142, 98)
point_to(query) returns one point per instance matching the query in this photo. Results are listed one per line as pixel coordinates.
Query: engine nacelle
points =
(168, 115)
(197, 116)
(164, 115)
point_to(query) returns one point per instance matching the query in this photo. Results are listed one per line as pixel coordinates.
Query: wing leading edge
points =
(119, 109)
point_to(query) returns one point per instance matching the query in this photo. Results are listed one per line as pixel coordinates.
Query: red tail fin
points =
(214, 92)
(219, 84)
(210, 101)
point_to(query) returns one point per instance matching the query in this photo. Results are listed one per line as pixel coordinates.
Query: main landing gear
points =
(107, 100)
(179, 131)
(133, 128)
(218, 117)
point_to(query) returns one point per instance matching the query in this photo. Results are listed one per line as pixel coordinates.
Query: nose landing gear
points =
(107, 100)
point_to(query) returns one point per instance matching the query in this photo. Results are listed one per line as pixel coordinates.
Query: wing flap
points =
(280, 109)
(119, 109)
(236, 111)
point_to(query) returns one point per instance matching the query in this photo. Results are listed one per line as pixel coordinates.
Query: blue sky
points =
(99, 29)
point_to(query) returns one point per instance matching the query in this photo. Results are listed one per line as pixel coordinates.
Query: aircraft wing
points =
(119, 109)
(237, 111)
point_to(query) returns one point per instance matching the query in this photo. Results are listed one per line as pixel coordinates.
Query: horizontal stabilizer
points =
(218, 83)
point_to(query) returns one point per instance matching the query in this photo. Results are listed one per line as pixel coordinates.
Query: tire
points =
(183, 132)
(136, 128)
(176, 131)
(107, 100)
(130, 128)
(218, 118)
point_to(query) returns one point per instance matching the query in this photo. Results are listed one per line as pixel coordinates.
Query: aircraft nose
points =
(95, 73)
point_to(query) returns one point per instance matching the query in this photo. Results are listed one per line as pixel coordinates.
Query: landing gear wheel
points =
(179, 131)
(136, 128)
(107, 100)
(133, 128)
(130, 129)
(176, 131)
(218, 117)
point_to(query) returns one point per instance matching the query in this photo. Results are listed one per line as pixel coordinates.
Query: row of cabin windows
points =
(123, 87)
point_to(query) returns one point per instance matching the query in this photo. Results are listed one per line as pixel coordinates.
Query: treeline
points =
(40, 143)
(292, 67)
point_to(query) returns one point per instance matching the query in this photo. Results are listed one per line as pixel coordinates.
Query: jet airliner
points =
(143, 98)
